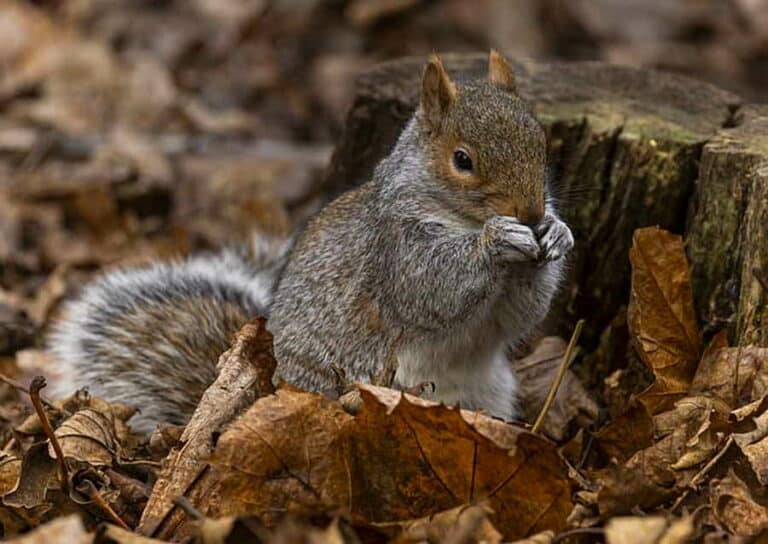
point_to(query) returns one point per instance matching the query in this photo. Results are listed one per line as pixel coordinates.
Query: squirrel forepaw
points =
(511, 240)
(555, 238)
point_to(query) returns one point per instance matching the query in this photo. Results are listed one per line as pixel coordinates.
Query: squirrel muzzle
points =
(531, 215)
(528, 211)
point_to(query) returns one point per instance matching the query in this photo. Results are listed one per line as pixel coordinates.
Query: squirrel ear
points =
(438, 92)
(499, 71)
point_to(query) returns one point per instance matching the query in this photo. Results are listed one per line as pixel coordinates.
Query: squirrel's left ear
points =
(499, 71)
(438, 93)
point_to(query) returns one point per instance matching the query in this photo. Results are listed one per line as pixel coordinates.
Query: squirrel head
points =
(484, 141)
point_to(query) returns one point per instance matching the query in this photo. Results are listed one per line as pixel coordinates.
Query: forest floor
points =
(137, 131)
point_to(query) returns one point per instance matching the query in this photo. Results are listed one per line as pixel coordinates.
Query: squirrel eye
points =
(462, 161)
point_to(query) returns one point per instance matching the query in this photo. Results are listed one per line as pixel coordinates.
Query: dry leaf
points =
(49, 295)
(286, 452)
(648, 530)
(735, 507)
(702, 420)
(245, 373)
(10, 469)
(38, 474)
(661, 316)
(624, 489)
(754, 443)
(36, 497)
(400, 458)
(67, 529)
(685, 437)
(466, 523)
(89, 436)
(454, 455)
(626, 434)
(111, 534)
(738, 375)
(537, 372)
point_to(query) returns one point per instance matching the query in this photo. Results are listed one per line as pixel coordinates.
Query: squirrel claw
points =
(555, 238)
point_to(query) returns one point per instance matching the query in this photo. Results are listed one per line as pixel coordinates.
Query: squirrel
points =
(448, 256)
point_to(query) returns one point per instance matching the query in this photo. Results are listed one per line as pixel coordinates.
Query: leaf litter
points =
(118, 148)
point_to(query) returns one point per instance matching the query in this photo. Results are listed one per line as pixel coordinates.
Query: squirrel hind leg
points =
(151, 337)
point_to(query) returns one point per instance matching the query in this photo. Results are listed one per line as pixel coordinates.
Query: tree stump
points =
(728, 230)
(626, 147)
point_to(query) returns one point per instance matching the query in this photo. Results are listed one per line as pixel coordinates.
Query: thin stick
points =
(578, 531)
(700, 474)
(38, 382)
(192, 512)
(18, 387)
(87, 488)
(569, 353)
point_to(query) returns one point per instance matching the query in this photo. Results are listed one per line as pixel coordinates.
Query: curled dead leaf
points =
(685, 437)
(754, 446)
(736, 508)
(661, 316)
(89, 436)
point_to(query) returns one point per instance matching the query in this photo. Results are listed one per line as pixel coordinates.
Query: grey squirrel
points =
(450, 253)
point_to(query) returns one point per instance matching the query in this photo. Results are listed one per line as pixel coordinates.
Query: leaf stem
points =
(87, 488)
(38, 382)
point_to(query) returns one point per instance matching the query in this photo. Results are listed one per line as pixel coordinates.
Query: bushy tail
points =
(150, 336)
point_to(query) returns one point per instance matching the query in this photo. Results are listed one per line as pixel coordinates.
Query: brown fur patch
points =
(368, 311)
(499, 71)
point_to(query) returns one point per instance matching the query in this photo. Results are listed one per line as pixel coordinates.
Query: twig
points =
(585, 451)
(130, 488)
(18, 387)
(578, 531)
(10, 445)
(569, 353)
(192, 512)
(87, 488)
(38, 382)
(700, 474)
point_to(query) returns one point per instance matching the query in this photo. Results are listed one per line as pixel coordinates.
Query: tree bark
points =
(625, 146)
(728, 230)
